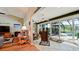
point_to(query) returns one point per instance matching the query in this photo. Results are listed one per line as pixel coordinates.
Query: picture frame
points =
(17, 26)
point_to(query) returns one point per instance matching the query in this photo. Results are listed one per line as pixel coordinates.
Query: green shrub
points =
(77, 35)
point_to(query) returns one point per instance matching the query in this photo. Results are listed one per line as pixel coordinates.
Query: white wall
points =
(9, 21)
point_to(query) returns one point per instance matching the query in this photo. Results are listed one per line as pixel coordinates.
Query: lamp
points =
(24, 28)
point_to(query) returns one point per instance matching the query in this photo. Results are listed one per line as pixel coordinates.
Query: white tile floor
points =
(54, 46)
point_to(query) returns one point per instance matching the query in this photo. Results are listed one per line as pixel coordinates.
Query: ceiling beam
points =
(36, 10)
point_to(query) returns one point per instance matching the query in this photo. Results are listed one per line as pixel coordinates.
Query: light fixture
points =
(23, 27)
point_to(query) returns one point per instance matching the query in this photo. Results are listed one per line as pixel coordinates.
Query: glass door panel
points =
(76, 26)
(66, 32)
(55, 30)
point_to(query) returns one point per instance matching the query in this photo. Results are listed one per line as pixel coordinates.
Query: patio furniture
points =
(56, 39)
(44, 38)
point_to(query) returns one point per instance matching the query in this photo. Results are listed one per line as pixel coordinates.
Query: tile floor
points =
(54, 46)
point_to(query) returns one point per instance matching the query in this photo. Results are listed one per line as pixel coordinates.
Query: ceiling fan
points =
(2, 13)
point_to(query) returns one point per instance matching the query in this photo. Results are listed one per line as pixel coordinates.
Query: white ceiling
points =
(44, 13)
(51, 12)
(18, 11)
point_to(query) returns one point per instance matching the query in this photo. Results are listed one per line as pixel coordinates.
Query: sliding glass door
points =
(66, 31)
(76, 30)
(55, 30)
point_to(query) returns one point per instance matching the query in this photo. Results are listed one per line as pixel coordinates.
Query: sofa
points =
(1, 41)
